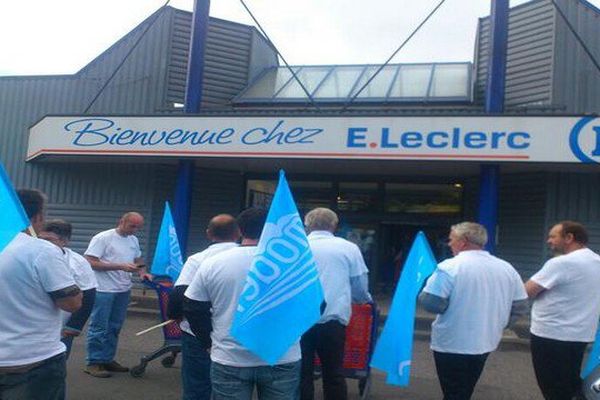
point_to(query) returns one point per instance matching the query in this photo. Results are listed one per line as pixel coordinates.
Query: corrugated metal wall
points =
(575, 196)
(231, 58)
(529, 56)
(93, 195)
(576, 80)
(522, 221)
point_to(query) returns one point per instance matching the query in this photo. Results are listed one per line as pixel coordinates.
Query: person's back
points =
(33, 333)
(337, 260)
(224, 276)
(570, 310)
(480, 305)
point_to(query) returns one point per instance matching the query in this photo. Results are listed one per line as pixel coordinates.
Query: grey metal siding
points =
(227, 59)
(529, 55)
(576, 196)
(576, 80)
(215, 192)
(521, 221)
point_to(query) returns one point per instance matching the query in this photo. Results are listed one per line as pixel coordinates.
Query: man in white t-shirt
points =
(35, 285)
(59, 232)
(345, 279)
(476, 296)
(223, 232)
(209, 305)
(114, 255)
(565, 311)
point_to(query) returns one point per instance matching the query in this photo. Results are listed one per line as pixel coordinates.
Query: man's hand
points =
(129, 267)
(146, 276)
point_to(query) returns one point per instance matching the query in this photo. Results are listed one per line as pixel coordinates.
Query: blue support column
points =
(494, 104)
(193, 98)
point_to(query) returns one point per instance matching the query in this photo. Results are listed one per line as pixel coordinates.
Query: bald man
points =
(114, 255)
(223, 232)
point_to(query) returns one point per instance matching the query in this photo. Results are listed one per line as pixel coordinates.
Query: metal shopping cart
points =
(360, 342)
(171, 332)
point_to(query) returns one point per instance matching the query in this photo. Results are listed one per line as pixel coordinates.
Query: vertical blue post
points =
(193, 98)
(494, 104)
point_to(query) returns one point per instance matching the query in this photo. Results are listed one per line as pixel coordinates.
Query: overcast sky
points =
(62, 36)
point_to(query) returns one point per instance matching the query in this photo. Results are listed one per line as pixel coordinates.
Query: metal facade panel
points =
(215, 192)
(227, 60)
(576, 80)
(576, 196)
(529, 55)
(521, 221)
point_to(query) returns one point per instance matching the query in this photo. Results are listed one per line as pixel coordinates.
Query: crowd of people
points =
(53, 291)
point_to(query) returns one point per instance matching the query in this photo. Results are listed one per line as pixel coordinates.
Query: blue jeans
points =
(278, 382)
(107, 318)
(195, 369)
(44, 382)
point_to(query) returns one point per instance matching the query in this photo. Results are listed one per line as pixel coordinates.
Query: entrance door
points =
(395, 242)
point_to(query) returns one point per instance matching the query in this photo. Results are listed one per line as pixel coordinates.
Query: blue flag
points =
(167, 255)
(593, 359)
(282, 296)
(14, 219)
(393, 352)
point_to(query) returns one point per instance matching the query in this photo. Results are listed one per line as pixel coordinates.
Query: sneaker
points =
(97, 371)
(114, 366)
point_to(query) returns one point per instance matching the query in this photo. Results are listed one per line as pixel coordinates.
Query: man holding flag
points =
(113, 254)
(475, 295)
(565, 311)
(344, 277)
(223, 232)
(35, 285)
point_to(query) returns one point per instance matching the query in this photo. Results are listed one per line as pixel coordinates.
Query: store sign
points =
(503, 138)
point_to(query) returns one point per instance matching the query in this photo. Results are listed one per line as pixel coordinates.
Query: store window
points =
(423, 198)
(357, 196)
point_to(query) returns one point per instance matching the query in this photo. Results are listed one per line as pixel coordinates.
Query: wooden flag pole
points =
(155, 327)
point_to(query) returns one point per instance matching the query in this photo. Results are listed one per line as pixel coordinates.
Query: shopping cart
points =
(171, 332)
(360, 342)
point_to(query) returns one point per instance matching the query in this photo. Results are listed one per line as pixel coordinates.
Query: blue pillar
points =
(494, 104)
(193, 99)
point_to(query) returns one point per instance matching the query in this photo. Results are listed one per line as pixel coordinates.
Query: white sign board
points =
(494, 138)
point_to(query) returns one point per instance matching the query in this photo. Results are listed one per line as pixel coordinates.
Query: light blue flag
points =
(167, 255)
(14, 219)
(282, 296)
(593, 359)
(393, 352)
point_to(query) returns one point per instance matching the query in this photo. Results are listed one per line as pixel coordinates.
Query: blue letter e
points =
(354, 135)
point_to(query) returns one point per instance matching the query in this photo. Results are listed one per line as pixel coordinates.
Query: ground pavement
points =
(508, 374)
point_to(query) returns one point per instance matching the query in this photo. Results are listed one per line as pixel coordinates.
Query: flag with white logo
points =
(393, 352)
(167, 255)
(14, 219)
(282, 296)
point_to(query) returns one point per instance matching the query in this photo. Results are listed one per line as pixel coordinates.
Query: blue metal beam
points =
(193, 98)
(494, 104)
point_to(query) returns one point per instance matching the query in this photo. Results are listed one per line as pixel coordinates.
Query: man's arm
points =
(199, 316)
(98, 265)
(67, 299)
(432, 303)
(359, 288)
(533, 289)
(175, 306)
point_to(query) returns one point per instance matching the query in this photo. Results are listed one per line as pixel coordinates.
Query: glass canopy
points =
(437, 82)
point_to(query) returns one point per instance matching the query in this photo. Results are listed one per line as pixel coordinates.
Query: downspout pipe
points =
(494, 104)
(193, 99)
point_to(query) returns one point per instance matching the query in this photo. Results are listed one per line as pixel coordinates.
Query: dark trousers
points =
(458, 373)
(557, 365)
(327, 340)
(43, 382)
(78, 319)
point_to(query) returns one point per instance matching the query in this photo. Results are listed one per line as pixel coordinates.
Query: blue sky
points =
(61, 36)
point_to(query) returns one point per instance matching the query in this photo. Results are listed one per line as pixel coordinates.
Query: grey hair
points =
(321, 219)
(472, 232)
